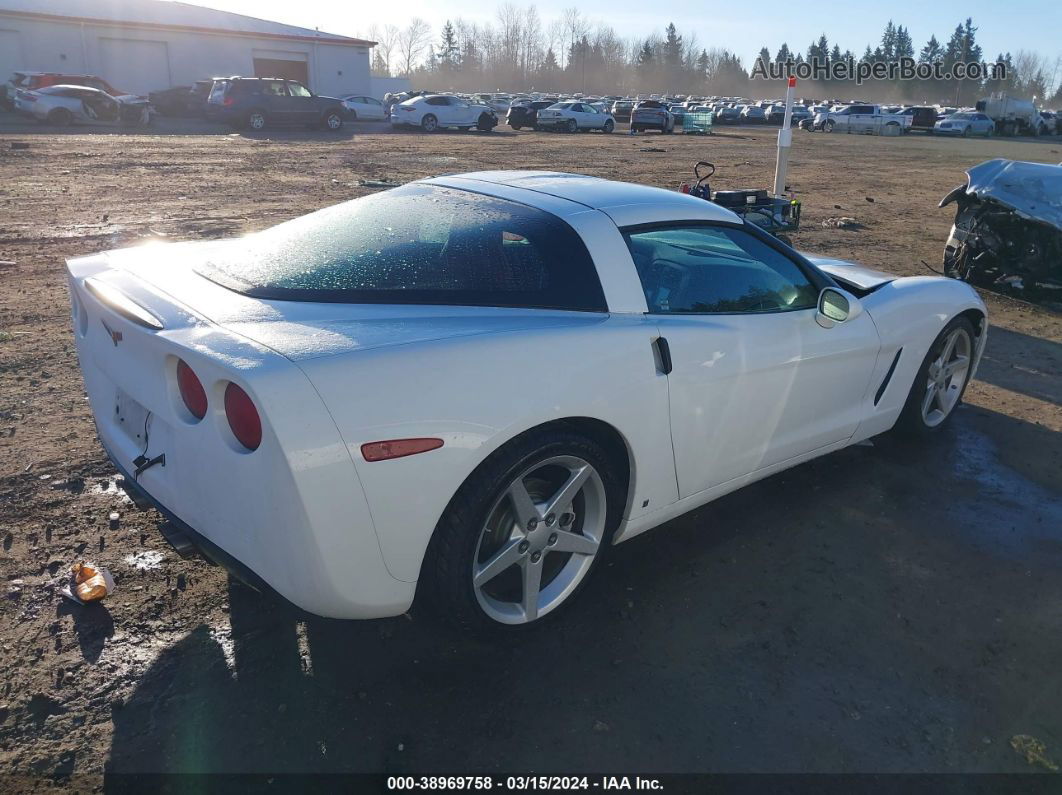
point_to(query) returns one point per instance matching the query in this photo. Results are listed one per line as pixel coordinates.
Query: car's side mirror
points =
(835, 306)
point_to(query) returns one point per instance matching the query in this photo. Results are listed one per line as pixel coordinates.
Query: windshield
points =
(418, 244)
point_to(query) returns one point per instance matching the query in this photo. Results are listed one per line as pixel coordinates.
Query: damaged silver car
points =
(65, 105)
(1007, 233)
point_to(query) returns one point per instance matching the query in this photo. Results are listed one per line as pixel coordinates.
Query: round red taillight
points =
(192, 392)
(243, 417)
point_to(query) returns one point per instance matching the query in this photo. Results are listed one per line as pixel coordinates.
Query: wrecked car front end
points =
(1007, 233)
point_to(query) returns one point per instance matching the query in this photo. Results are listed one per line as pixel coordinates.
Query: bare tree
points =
(575, 27)
(411, 41)
(385, 38)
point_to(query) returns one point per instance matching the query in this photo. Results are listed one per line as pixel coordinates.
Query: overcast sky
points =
(743, 27)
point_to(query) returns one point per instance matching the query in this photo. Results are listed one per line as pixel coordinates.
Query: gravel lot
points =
(885, 608)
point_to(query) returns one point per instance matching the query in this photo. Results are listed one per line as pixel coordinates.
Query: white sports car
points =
(475, 384)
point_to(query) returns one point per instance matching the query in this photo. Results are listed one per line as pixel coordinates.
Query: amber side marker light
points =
(398, 448)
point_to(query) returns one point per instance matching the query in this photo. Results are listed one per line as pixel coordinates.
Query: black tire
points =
(446, 575)
(516, 126)
(609, 126)
(572, 126)
(332, 121)
(828, 126)
(484, 123)
(61, 117)
(911, 422)
(429, 123)
(965, 132)
(256, 120)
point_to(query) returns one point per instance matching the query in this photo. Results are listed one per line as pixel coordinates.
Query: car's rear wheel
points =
(524, 532)
(941, 380)
(429, 123)
(609, 126)
(61, 117)
(256, 120)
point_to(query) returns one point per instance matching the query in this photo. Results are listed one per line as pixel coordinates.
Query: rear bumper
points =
(186, 541)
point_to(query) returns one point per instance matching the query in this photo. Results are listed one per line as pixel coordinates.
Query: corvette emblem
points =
(116, 336)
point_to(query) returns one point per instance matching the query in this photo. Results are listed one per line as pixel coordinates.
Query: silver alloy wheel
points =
(257, 121)
(333, 121)
(540, 540)
(429, 123)
(573, 126)
(946, 378)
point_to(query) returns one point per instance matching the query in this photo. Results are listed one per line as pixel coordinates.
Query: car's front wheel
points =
(572, 126)
(61, 117)
(609, 126)
(941, 380)
(333, 121)
(524, 532)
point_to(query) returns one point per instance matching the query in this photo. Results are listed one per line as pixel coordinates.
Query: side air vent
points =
(888, 377)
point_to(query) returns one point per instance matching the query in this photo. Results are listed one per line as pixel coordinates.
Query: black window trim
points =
(819, 279)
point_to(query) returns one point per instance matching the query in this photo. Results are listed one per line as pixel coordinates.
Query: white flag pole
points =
(785, 140)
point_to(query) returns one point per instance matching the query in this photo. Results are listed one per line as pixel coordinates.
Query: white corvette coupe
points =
(474, 384)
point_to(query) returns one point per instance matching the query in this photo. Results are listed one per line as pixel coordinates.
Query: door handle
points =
(663, 350)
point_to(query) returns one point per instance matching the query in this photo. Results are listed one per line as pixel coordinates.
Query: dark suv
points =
(260, 102)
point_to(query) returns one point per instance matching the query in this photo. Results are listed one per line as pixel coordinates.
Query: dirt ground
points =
(884, 609)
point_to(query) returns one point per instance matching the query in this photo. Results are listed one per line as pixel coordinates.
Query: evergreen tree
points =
(904, 44)
(702, 66)
(646, 62)
(784, 55)
(449, 53)
(379, 64)
(819, 51)
(932, 51)
(888, 43)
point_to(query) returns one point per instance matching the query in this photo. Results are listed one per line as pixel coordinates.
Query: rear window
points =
(418, 244)
(217, 91)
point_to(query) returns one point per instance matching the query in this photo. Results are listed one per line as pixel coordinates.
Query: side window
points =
(272, 89)
(715, 269)
(436, 100)
(298, 90)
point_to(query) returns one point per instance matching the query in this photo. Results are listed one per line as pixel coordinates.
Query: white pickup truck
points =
(866, 119)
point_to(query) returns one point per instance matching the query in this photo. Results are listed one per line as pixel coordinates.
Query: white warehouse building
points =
(144, 45)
